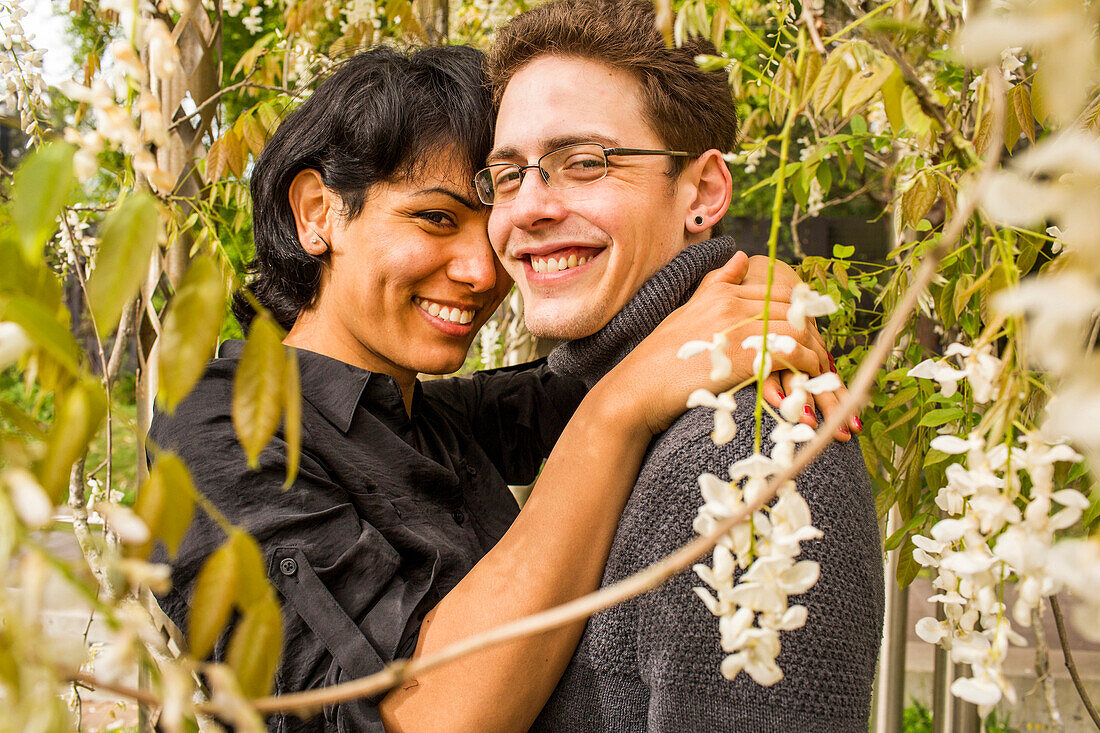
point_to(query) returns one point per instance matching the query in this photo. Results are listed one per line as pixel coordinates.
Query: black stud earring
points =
(698, 221)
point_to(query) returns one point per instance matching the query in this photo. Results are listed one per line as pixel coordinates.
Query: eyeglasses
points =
(567, 167)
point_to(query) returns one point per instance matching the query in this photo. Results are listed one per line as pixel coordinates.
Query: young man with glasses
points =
(607, 185)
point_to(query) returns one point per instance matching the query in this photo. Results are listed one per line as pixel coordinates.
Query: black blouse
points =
(388, 512)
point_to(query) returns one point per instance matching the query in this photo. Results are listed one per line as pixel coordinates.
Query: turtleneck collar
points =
(589, 358)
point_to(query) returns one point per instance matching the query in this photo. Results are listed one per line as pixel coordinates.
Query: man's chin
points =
(565, 326)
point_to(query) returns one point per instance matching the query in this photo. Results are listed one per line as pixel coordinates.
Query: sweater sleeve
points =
(828, 665)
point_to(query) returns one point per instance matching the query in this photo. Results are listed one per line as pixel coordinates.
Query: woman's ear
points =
(310, 201)
(713, 191)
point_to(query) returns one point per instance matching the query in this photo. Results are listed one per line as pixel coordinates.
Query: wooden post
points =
(889, 694)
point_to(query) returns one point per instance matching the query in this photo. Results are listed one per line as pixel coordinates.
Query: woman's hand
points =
(730, 300)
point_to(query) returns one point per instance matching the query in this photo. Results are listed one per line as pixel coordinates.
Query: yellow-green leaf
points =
(1012, 123)
(864, 84)
(255, 647)
(891, 98)
(252, 585)
(78, 414)
(1021, 103)
(809, 74)
(915, 118)
(258, 387)
(916, 201)
(253, 133)
(169, 495)
(128, 237)
(39, 190)
(830, 82)
(292, 419)
(190, 330)
(212, 600)
(779, 96)
(217, 159)
(963, 291)
(46, 330)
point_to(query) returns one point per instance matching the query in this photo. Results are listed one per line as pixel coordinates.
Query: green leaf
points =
(258, 387)
(40, 188)
(843, 251)
(941, 416)
(166, 501)
(904, 533)
(292, 419)
(255, 647)
(858, 124)
(907, 566)
(128, 237)
(78, 414)
(190, 330)
(903, 397)
(212, 600)
(252, 585)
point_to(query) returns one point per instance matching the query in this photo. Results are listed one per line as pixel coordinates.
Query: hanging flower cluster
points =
(754, 567)
(21, 69)
(1005, 512)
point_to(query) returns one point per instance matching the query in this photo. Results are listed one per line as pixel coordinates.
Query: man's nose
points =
(535, 204)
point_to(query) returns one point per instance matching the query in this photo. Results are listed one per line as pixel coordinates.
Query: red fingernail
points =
(806, 409)
(832, 364)
(781, 395)
(859, 424)
(844, 429)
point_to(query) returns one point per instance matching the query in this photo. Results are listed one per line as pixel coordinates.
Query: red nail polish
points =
(844, 429)
(806, 409)
(832, 364)
(859, 424)
(781, 395)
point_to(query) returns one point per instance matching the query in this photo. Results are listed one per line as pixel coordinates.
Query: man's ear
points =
(311, 203)
(713, 191)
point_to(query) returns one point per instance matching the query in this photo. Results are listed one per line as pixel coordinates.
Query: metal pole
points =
(889, 693)
(949, 713)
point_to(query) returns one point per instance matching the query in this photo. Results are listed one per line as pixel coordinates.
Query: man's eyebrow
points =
(510, 153)
(470, 203)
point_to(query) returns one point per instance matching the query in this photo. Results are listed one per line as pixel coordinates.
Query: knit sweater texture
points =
(652, 663)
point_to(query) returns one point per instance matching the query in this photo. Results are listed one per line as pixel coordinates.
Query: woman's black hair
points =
(380, 115)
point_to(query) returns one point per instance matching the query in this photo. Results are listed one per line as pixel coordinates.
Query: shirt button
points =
(288, 566)
(458, 516)
(470, 469)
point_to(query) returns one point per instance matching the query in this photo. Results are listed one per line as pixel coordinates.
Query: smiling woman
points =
(399, 534)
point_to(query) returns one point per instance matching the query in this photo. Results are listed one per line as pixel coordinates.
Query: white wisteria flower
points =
(779, 344)
(723, 405)
(720, 364)
(806, 303)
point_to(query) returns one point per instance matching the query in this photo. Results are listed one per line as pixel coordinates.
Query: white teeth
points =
(445, 313)
(557, 265)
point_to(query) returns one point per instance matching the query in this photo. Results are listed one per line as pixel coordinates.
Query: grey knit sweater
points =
(651, 664)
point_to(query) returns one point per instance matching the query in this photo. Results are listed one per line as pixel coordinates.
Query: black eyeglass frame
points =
(545, 175)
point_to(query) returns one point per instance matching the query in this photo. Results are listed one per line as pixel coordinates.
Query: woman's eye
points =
(438, 218)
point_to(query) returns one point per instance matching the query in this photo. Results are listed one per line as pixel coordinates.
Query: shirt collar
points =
(333, 387)
(591, 357)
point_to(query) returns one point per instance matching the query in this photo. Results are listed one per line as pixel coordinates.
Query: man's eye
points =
(506, 179)
(583, 162)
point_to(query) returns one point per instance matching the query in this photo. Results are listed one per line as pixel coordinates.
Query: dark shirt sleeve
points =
(515, 413)
(346, 607)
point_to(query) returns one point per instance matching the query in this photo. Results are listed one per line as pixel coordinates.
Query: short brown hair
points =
(689, 109)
